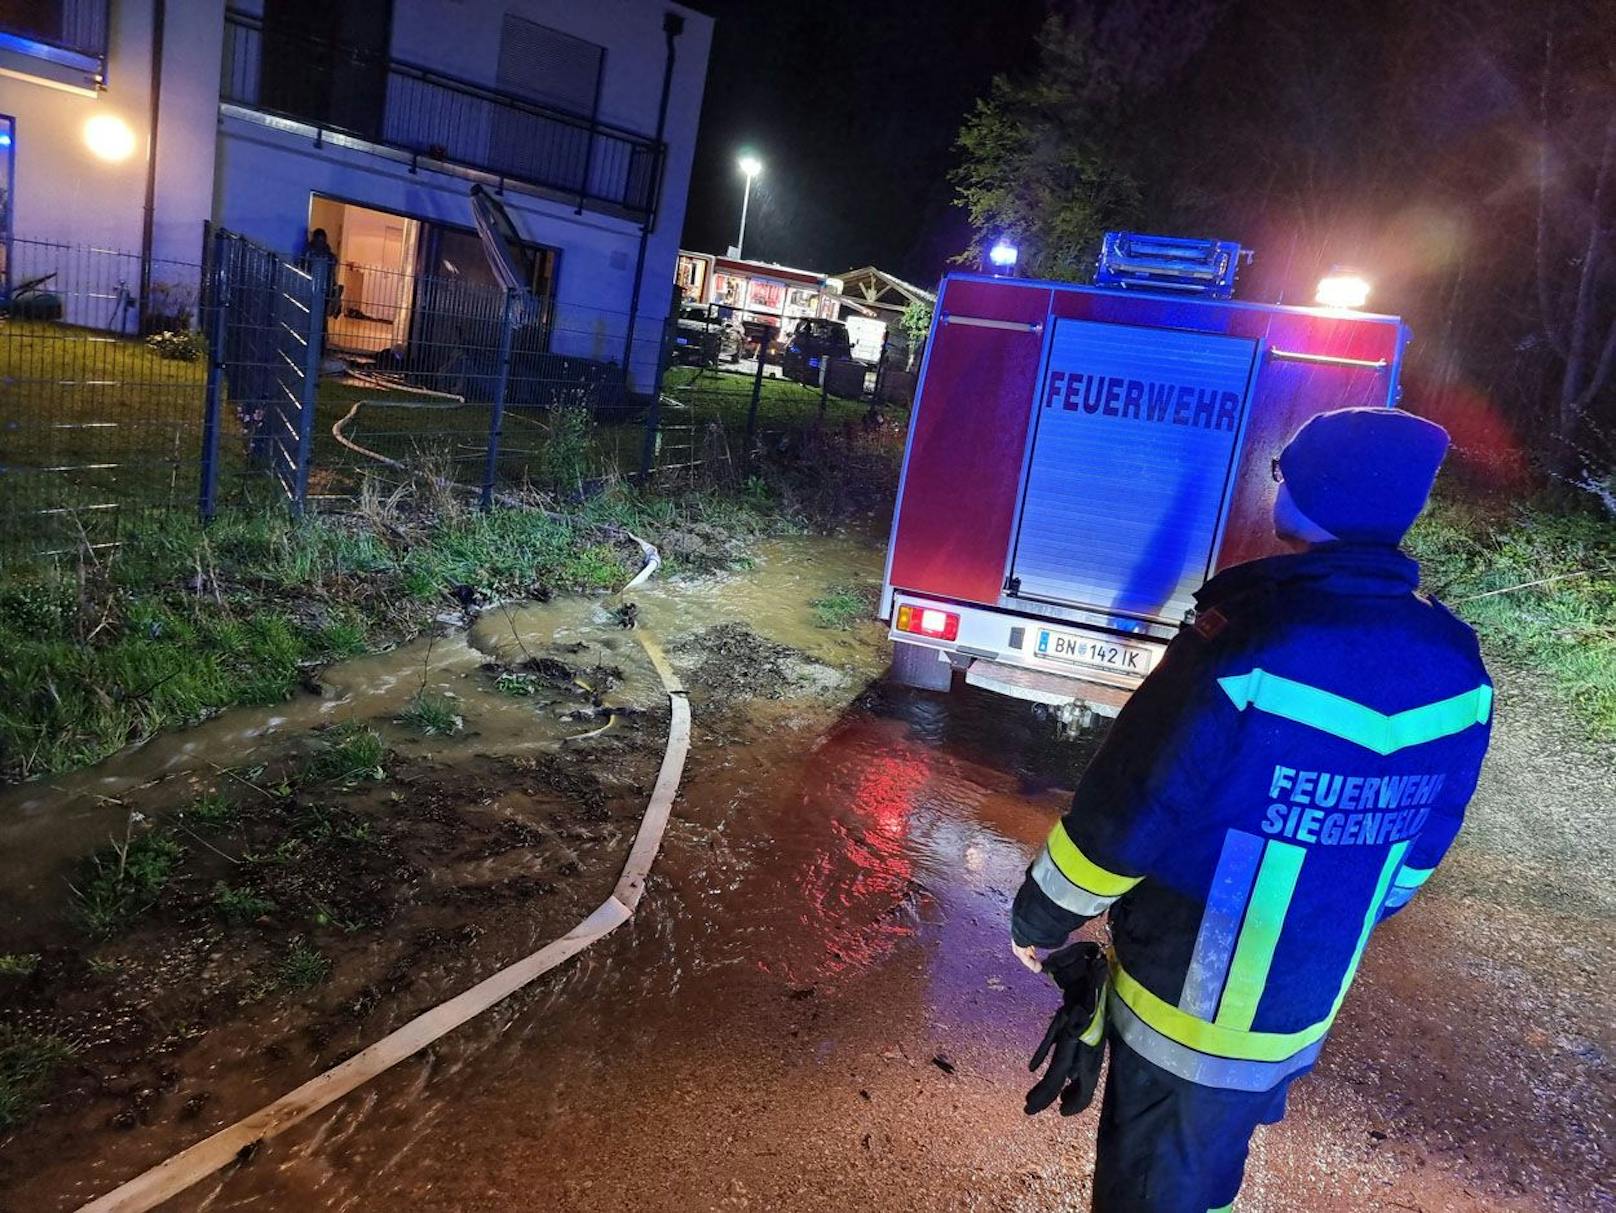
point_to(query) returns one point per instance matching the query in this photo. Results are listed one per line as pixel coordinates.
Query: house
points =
(757, 291)
(125, 124)
(886, 295)
(869, 292)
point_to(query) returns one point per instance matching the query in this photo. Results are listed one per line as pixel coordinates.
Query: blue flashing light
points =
(5, 139)
(1003, 254)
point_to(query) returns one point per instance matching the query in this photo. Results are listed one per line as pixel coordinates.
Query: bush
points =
(1538, 583)
(28, 1062)
(123, 881)
(176, 346)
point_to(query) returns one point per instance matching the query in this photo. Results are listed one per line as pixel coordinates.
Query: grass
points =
(239, 906)
(520, 685)
(431, 714)
(346, 754)
(18, 964)
(1539, 586)
(101, 648)
(28, 1061)
(842, 607)
(303, 967)
(122, 881)
(724, 398)
(214, 809)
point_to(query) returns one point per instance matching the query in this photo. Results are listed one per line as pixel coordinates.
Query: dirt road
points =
(815, 1008)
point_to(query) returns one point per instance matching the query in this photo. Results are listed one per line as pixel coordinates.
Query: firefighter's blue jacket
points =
(1289, 775)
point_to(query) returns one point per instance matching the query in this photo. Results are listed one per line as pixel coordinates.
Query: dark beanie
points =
(1363, 474)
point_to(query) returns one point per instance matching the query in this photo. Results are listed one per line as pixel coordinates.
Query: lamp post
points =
(751, 166)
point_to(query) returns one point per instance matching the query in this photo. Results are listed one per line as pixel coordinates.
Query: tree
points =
(1033, 161)
(1574, 266)
(916, 322)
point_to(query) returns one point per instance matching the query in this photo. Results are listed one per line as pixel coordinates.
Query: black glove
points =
(1076, 1034)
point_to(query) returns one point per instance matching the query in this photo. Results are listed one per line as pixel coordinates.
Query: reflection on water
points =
(808, 844)
(800, 858)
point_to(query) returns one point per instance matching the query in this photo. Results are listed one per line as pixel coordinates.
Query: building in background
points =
(873, 304)
(126, 124)
(757, 292)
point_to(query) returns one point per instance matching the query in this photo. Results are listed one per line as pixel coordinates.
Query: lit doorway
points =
(373, 291)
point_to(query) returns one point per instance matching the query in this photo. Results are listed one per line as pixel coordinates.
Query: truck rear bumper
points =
(999, 651)
(1042, 686)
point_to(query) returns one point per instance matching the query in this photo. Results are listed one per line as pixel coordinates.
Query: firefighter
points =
(1287, 778)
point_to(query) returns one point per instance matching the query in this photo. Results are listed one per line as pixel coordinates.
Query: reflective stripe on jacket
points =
(1289, 776)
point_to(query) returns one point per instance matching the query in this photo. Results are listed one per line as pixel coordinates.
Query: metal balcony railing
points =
(71, 32)
(437, 120)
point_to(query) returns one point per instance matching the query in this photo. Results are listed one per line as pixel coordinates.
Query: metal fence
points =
(248, 379)
(262, 326)
(76, 26)
(95, 425)
(717, 421)
(486, 386)
(252, 379)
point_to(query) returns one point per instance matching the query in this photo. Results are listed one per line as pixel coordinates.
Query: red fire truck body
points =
(1080, 459)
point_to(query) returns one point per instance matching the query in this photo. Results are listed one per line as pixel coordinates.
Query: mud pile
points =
(729, 662)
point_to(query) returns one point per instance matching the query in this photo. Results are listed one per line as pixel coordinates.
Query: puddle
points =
(486, 842)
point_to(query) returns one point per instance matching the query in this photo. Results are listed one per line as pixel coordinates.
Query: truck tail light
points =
(928, 621)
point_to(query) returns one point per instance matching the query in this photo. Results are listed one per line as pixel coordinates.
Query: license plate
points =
(1096, 651)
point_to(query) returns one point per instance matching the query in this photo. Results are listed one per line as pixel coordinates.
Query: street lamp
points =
(751, 166)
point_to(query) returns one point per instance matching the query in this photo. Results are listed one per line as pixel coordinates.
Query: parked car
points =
(702, 336)
(811, 343)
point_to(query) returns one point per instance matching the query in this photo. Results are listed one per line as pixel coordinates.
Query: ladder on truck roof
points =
(1170, 263)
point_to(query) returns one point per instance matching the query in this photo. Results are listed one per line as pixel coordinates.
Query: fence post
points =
(216, 297)
(653, 414)
(496, 420)
(319, 272)
(757, 392)
(824, 384)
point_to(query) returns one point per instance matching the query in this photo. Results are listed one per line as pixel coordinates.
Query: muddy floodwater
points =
(815, 1007)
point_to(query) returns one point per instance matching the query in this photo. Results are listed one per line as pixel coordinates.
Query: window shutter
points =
(548, 66)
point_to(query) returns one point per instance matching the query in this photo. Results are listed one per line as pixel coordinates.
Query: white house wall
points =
(265, 175)
(66, 195)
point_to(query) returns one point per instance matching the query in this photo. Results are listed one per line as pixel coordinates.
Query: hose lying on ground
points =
(241, 1139)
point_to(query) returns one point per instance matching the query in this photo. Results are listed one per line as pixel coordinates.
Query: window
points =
(548, 66)
(553, 69)
(72, 25)
(769, 296)
(729, 290)
(327, 63)
(8, 139)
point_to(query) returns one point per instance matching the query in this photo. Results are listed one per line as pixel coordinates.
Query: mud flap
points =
(916, 665)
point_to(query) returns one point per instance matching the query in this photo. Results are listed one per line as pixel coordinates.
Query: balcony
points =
(68, 35)
(435, 121)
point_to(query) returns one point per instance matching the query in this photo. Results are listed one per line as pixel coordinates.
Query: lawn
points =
(1538, 583)
(98, 650)
(89, 421)
(98, 429)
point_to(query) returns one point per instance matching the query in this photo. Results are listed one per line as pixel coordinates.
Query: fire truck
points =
(1081, 459)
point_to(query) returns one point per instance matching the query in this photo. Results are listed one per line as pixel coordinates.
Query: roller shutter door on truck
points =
(1135, 437)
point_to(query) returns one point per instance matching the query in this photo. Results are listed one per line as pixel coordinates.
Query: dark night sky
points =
(853, 107)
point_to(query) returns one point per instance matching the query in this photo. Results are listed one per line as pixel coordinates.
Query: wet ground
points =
(815, 1007)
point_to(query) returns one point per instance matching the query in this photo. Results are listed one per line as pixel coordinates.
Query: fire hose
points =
(240, 1140)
